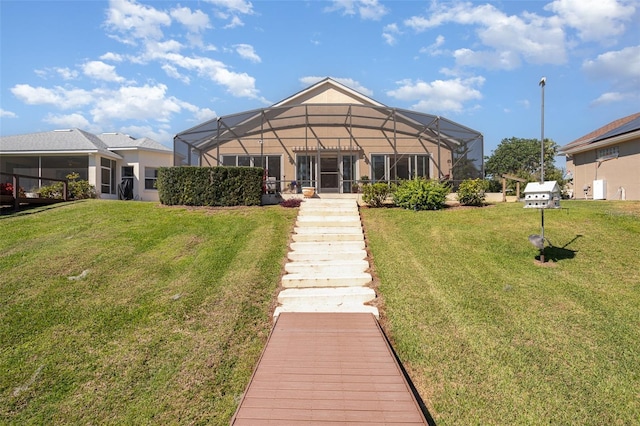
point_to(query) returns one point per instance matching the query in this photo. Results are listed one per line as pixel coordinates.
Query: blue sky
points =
(155, 68)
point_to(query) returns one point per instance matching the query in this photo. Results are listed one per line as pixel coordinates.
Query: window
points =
(306, 170)
(348, 172)
(606, 153)
(378, 168)
(399, 167)
(150, 177)
(107, 176)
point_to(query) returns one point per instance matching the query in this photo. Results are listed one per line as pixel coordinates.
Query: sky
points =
(156, 68)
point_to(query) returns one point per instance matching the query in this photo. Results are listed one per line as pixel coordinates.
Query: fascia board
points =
(611, 141)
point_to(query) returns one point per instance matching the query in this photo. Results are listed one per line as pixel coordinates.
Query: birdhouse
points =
(544, 195)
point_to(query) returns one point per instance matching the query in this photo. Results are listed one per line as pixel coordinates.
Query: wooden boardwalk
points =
(328, 368)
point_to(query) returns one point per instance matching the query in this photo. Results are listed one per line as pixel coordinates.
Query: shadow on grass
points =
(9, 211)
(555, 254)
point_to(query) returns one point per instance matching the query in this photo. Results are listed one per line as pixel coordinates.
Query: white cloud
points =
(389, 33)
(195, 22)
(349, 82)
(144, 23)
(230, 9)
(133, 19)
(174, 73)
(509, 38)
(595, 20)
(366, 9)
(158, 134)
(113, 57)
(439, 95)
(134, 102)
(238, 84)
(101, 71)
(621, 69)
(246, 51)
(434, 48)
(621, 66)
(143, 103)
(75, 120)
(57, 96)
(205, 114)
(234, 23)
(234, 6)
(158, 50)
(612, 97)
(67, 73)
(7, 114)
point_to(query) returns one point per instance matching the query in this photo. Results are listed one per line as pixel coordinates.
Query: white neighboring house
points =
(106, 160)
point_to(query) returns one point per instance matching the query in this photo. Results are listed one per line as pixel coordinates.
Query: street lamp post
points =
(543, 82)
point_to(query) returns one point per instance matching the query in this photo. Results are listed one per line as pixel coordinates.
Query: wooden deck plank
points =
(327, 368)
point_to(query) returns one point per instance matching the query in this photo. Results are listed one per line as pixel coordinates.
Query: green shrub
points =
(77, 189)
(210, 186)
(472, 192)
(375, 194)
(421, 194)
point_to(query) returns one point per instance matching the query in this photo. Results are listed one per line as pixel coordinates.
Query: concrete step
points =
(326, 296)
(330, 247)
(329, 223)
(328, 280)
(327, 237)
(328, 230)
(324, 220)
(352, 255)
(326, 266)
(351, 309)
(329, 201)
(329, 211)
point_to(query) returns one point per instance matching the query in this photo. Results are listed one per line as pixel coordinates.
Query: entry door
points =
(329, 173)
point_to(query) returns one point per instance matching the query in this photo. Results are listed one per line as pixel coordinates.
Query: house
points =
(605, 164)
(112, 162)
(331, 137)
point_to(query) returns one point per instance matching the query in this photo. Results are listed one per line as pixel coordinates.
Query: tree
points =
(521, 157)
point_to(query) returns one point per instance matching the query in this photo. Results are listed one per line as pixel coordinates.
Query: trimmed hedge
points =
(210, 186)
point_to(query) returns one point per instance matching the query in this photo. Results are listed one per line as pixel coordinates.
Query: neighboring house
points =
(107, 161)
(605, 164)
(329, 136)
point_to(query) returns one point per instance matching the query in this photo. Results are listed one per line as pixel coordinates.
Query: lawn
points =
(490, 336)
(133, 313)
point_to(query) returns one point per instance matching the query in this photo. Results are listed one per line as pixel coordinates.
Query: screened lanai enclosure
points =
(335, 146)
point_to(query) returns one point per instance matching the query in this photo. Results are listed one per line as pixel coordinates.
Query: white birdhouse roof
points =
(548, 186)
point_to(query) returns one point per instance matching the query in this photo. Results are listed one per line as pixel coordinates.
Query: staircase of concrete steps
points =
(326, 271)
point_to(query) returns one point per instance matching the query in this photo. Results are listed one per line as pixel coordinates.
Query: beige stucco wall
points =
(140, 159)
(622, 174)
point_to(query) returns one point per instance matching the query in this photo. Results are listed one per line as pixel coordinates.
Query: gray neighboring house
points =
(107, 160)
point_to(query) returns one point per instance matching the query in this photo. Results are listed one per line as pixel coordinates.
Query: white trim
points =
(34, 153)
(588, 146)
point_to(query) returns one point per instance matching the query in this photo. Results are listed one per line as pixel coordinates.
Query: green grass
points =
(489, 336)
(170, 316)
(133, 313)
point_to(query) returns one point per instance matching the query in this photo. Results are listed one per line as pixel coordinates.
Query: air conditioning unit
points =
(600, 189)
